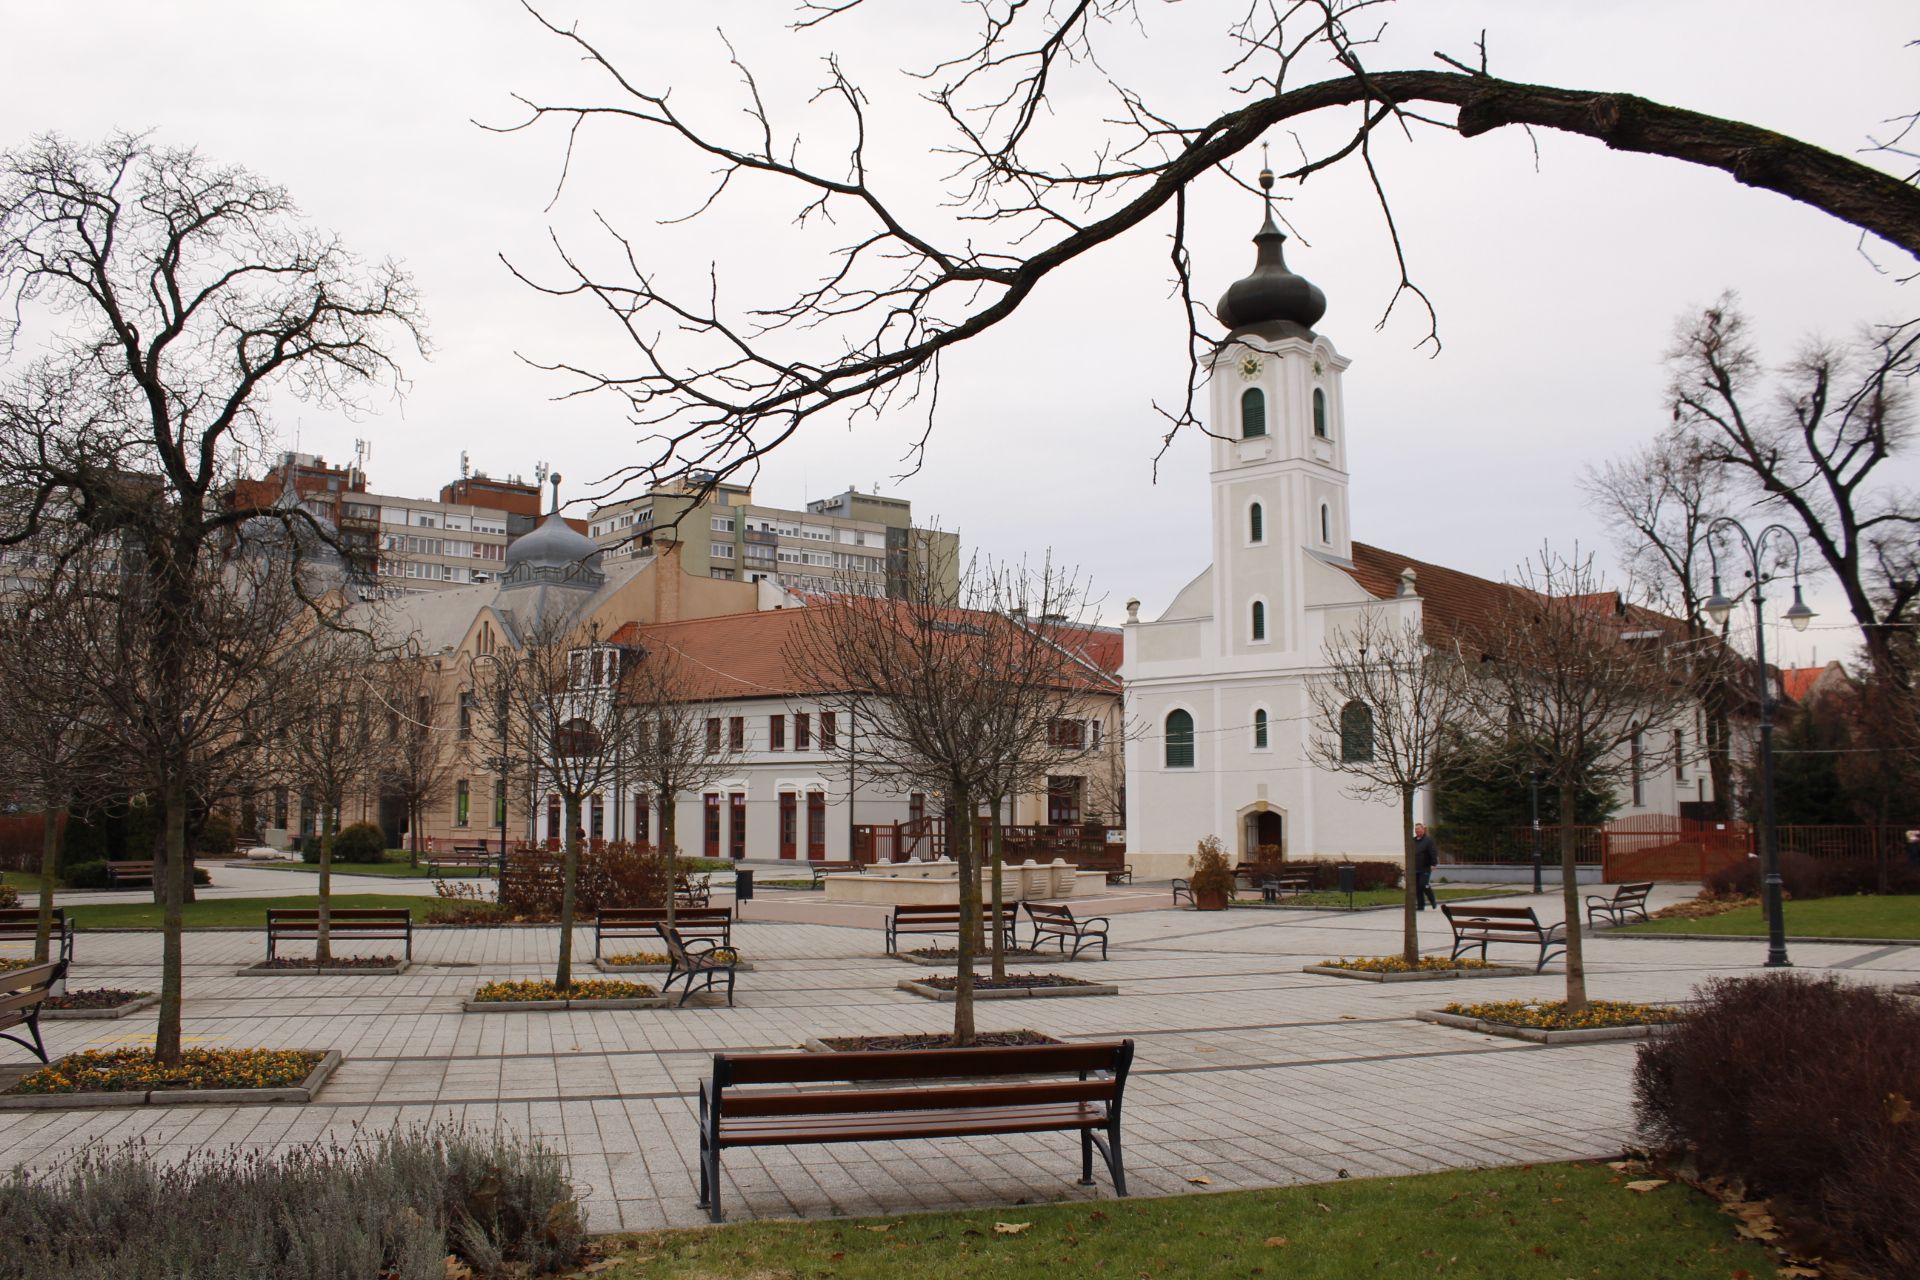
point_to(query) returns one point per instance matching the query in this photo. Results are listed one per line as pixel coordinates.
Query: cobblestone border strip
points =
(743, 966)
(1423, 975)
(298, 1094)
(114, 1011)
(926, 992)
(345, 971)
(1580, 1035)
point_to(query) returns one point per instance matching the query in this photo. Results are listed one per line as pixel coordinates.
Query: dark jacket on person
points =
(1426, 854)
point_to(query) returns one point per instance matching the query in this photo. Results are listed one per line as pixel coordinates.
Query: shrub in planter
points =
(1803, 876)
(360, 842)
(1212, 879)
(1807, 1090)
(9, 896)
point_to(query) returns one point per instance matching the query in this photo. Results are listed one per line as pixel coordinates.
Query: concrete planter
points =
(743, 966)
(926, 992)
(1027, 957)
(1582, 1035)
(1421, 975)
(297, 1094)
(114, 1011)
(557, 1006)
(350, 971)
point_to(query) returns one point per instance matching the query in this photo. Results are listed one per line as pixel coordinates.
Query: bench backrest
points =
(21, 989)
(339, 915)
(1631, 892)
(1475, 915)
(1049, 912)
(16, 922)
(641, 916)
(941, 911)
(136, 864)
(1112, 1056)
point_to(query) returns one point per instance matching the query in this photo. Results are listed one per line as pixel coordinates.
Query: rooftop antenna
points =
(463, 464)
(540, 470)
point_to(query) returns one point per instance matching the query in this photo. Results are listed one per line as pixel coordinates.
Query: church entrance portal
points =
(1265, 828)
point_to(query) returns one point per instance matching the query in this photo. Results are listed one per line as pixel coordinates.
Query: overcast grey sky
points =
(1557, 287)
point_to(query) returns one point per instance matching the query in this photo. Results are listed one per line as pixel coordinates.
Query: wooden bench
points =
(344, 924)
(701, 960)
(119, 873)
(694, 893)
(1251, 874)
(821, 870)
(1182, 889)
(909, 917)
(1058, 922)
(1083, 1095)
(465, 857)
(1628, 900)
(1275, 888)
(22, 992)
(22, 924)
(1473, 923)
(715, 923)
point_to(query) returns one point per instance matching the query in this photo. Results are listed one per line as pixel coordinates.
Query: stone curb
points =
(1423, 975)
(743, 966)
(947, 997)
(1746, 937)
(556, 1006)
(1032, 957)
(116, 1011)
(364, 971)
(813, 1044)
(299, 1094)
(1537, 1035)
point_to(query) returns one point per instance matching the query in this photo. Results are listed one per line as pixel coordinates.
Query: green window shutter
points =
(1356, 733)
(1260, 730)
(1319, 412)
(1259, 620)
(1256, 524)
(1253, 413)
(1179, 740)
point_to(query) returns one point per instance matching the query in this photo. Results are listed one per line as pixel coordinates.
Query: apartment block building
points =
(851, 542)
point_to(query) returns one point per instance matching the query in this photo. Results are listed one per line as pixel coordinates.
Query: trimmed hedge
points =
(93, 875)
(1803, 876)
(357, 842)
(1808, 1091)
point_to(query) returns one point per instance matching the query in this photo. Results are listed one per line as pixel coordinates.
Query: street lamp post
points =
(1533, 785)
(1719, 607)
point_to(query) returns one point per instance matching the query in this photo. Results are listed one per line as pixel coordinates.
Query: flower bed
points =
(946, 956)
(1702, 908)
(132, 1077)
(657, 962)
(99, 1002)
(369, 965)
(1396, 969)
(1548, 1022)
(1013, 986)
(931, 1040)
(592, 989)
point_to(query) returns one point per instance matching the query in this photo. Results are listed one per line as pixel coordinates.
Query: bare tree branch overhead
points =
(717, 375)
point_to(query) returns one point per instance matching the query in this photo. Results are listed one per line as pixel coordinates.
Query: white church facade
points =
(1217, 686)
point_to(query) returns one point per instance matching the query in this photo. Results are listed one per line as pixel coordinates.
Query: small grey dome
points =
(554, 545)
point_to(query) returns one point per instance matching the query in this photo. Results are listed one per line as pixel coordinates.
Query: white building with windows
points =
(1218, 684)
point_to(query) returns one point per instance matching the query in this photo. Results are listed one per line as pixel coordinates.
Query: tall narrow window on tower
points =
(1320, 413)
(1326, 524)
(1256, 524)
(1179, 739)
(1253, 413)
(1259, 621)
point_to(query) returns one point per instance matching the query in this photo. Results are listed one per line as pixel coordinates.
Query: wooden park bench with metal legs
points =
(1058, 922)
(1182, 889)
(22, 924)
(1473, 923)
(695, 962)
(615, 923)
(344, 924)
(935, 1093)
(22, 993)
(911, 917)
(821, 870)
(1628, 900)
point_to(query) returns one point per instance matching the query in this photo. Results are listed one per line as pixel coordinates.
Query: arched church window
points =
(1260, 730)
(1256, 523)
(1253, 413)
(1356, 733)
(1179, 739)
(1320, 413)
(1326, 524)
(1259, 620)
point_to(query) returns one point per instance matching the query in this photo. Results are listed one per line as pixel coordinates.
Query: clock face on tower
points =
(1250, 368)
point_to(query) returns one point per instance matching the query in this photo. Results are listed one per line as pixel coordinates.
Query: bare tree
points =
(671, 753)
(1576, 676)
(1658, 502)
(423, 758)
(565, 714)
(1811, 448)
(330, 736)
(720, 375)
(1381, 709)
(179, 294)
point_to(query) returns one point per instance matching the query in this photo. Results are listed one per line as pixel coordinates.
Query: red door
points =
(789, 820)
(713, 824)
(816, 824)
(737, 846)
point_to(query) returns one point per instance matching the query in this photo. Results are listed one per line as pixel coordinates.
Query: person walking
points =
(1426, 856)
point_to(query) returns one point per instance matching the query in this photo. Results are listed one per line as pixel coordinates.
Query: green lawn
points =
(389, 868)
(1372, 897)
(1545, 1222)
(145, 914)
(1894, 917)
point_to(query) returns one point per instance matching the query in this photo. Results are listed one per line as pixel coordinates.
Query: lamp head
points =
(1799, 615)
(1718, 607)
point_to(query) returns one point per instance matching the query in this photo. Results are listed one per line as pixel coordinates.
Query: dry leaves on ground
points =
(1010, 1228)
(1201, 1180)
(1647, 1184)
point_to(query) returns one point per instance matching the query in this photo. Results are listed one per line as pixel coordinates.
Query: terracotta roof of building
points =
(771, 654)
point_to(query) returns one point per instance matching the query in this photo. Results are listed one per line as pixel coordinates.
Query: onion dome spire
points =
(1272, 301)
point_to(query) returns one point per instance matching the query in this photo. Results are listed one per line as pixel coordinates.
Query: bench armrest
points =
(1090, 921)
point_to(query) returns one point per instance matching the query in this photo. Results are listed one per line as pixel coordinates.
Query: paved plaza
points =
(1248, 1072)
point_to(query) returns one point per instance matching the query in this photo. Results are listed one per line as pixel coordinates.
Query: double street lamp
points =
(1719, 607)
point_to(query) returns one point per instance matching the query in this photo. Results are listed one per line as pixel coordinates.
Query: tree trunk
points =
(1410, 901)
(670, 856)
(960, 843)
(998, 942)
(166, 1035)
(49, 863)
(322, 935)
(1570, 897)
(569, 872)
(413, 834)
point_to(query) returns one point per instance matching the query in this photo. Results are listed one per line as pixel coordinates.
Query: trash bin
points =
(742, 884)
(1346, 873)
